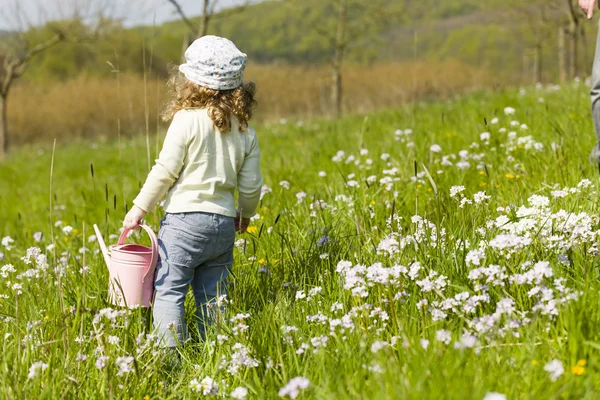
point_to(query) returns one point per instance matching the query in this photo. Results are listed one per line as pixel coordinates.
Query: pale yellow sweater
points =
(201, 168)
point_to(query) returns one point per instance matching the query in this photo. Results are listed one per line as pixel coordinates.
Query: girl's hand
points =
(133, 218)
(241, 224)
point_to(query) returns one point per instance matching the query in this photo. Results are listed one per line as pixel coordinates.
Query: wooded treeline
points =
(545, 40)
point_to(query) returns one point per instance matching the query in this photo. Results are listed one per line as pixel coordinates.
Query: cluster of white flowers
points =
(7, 242)
(124, 365)
(240, 326)
(240, 358)
(555, 369)
(114, 317)
(36, 368)
(208, 387)
(294, 386)
(456, 192)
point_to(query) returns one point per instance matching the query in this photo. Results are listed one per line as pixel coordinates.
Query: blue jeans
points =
(196, 249)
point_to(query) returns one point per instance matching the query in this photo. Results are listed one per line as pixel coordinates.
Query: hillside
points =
(294, 32)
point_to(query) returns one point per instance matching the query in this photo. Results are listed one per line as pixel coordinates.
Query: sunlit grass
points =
(390, 345)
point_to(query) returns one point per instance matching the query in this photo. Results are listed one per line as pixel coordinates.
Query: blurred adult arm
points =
(587, 6)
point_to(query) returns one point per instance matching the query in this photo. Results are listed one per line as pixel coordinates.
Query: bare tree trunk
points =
(338, 58)
(584, 43)
(3, 126)
(574, 56)
(204, 20)
(525, 67)
(189, 37)
(537, 63)
(562, 67)
(185, 43)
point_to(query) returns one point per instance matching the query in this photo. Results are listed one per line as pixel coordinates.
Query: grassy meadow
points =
(441, 250)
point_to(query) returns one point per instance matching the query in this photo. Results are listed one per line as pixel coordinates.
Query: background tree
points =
(30, 38)
(350, 23)
(537, 20)
(197, 30)
(576, 31)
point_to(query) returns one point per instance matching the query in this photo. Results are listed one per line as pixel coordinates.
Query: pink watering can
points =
(131, 268)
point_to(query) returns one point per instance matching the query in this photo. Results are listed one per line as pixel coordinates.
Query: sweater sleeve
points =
(168, 165)
(250, 179)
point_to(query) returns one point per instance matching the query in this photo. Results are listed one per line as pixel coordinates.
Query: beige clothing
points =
(201, 168)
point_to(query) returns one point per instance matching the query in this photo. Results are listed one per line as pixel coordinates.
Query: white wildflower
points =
(293, 387)
(101, 362)
(36, 368)
(284, 184)
(7, 241)
(435, 148)
(454, 190)
(443, 336)
(494, 396)
(555, 369)
(300, 197)
(239, 393)
(124, 365)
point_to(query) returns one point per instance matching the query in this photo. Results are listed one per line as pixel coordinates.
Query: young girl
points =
(208, 152)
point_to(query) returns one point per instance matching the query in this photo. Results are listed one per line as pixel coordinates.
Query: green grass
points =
(59, 305)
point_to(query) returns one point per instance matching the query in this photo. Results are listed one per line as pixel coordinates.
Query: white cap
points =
(214, 62)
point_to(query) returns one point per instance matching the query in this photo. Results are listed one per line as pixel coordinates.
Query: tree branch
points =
(573, 12)
(230, 11)
(184, 18)
(15, 66)
(43, 46)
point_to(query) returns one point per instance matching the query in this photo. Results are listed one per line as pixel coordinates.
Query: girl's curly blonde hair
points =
(221, 104)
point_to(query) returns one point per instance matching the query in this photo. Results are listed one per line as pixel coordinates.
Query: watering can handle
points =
(154, 241)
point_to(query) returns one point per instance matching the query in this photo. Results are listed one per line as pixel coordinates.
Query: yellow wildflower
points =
(482, 184)
(481, 172)
(65, 239)
(261, 261)
(581, 363)
(275, 261)
(46, 318)
(372, 202)
(535, 362)
(252, 229)
(75, 231)
(146, 397)
(577, 370)
(510, 176)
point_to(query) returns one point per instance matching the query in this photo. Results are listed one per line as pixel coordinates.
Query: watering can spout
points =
(102, 246)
